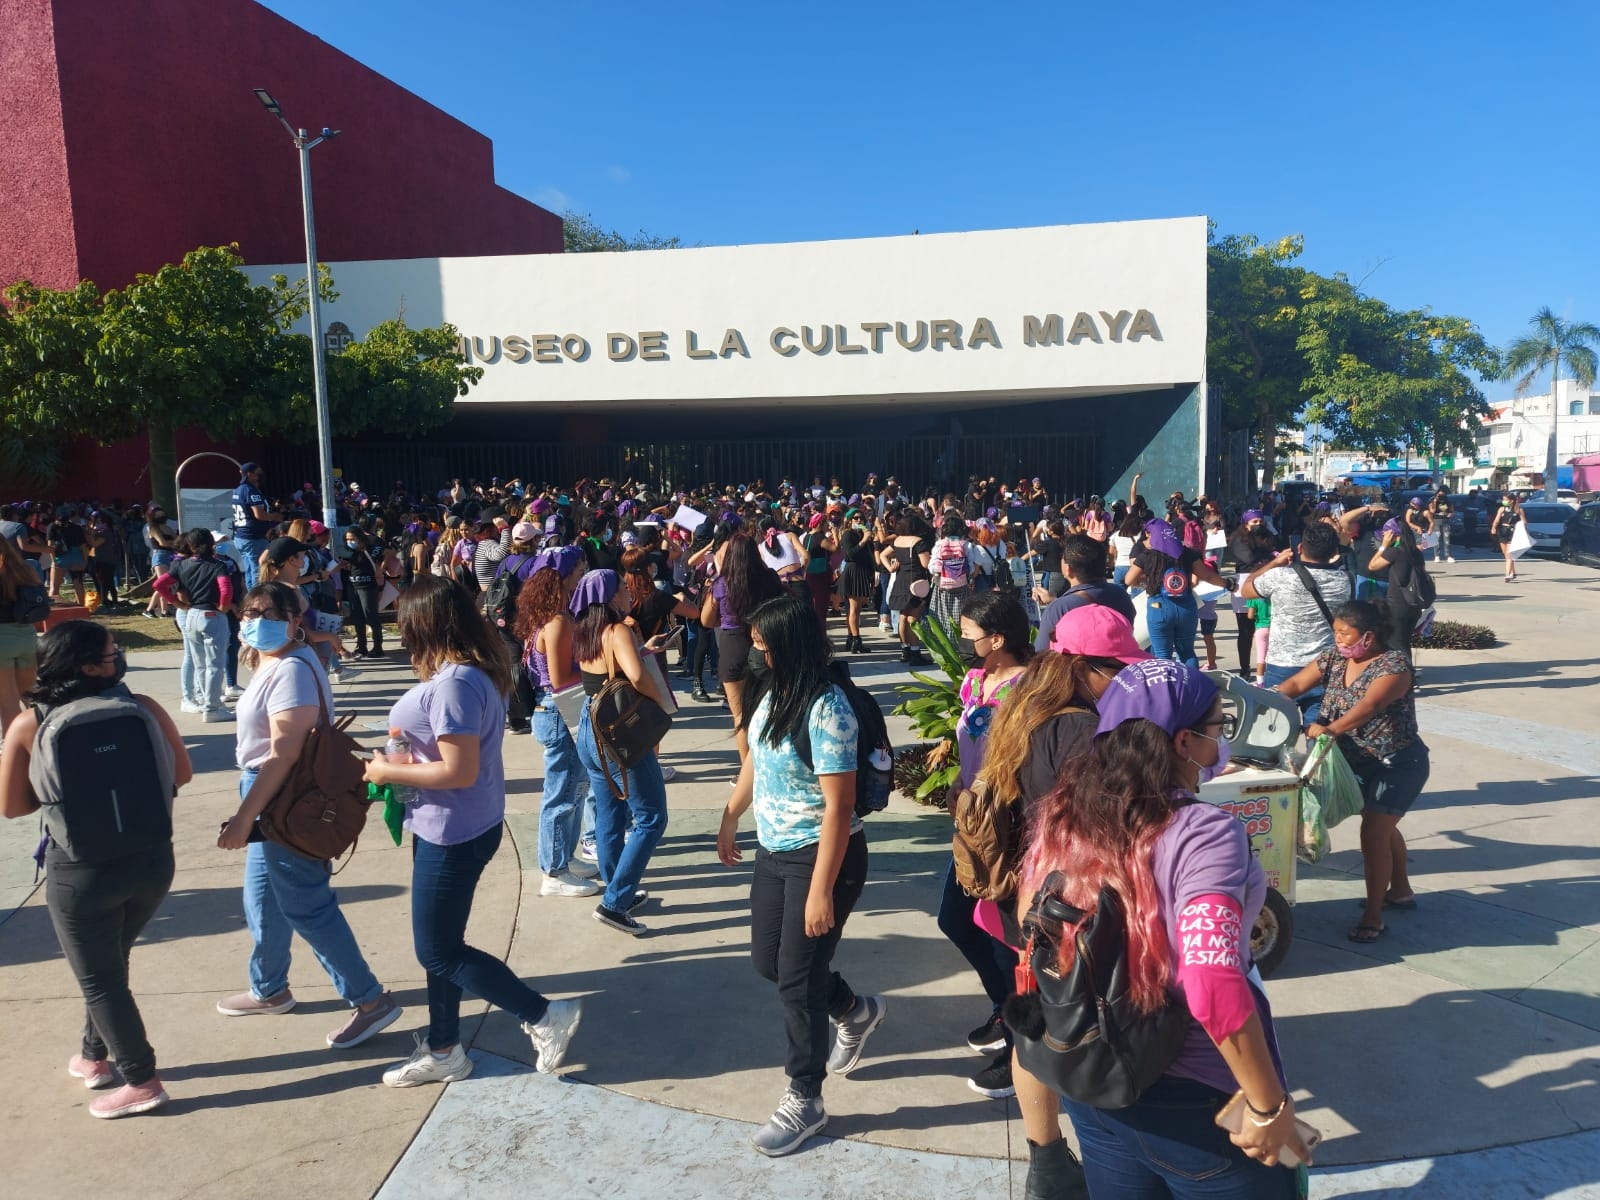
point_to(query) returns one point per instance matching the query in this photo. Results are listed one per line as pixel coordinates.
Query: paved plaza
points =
(1457, 1056)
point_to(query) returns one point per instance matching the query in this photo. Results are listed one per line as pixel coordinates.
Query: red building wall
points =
(129, 135)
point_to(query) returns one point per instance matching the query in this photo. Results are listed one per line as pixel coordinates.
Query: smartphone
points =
(1231, 1118)
(674, 635)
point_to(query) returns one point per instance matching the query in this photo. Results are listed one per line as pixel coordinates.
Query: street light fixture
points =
(305, 143)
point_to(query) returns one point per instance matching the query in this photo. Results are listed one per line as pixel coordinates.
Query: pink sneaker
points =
(96, 1073)
(129, 1100)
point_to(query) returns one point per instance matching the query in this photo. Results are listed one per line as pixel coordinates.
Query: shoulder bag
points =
(321, 808)
(628, 725)
(1310, 585)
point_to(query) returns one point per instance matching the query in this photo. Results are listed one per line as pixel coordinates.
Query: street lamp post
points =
(305, 144)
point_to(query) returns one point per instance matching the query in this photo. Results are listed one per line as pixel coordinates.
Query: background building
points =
(1516, 438)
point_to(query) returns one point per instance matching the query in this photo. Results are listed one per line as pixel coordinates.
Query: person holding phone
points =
(1128, 817)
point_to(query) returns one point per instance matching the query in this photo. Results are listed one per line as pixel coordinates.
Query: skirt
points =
(855, 580)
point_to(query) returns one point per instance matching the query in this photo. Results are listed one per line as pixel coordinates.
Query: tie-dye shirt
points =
(788, 795)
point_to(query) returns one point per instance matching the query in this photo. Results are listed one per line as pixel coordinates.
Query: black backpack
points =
(30, 605)
(874, 752)
(1079, 1032)
(500, 601)
(1418, 589)
(103, 772)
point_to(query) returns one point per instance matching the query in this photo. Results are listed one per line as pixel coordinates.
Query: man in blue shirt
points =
(252, 520)
(1083, 561)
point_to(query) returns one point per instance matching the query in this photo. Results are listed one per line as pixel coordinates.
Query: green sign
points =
(1442, 464)
(1506, 464)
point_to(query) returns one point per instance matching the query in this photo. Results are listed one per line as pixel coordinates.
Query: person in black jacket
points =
(362, 588)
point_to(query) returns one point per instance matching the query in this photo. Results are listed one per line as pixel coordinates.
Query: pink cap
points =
(1097, 631)
(318, 528)
(525, 531)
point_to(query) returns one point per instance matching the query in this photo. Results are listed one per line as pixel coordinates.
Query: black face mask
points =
(756, 664)
(967, 652)
(91, 684)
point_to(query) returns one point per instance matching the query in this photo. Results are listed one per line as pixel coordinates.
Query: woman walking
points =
(546, 628)
(162, 539)
(630, 808)
(286, 893)
(954, 563)
(1503, 528)
(811, 858)
(742, 582)
(857, 581)
(906, 558)
(1369, 704)
(99, 908)
(455, 722)
(1127, 818)
(1401, 556)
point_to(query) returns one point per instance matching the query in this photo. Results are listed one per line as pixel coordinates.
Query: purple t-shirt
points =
(458, 700)
(1205, 851)
(725, 618)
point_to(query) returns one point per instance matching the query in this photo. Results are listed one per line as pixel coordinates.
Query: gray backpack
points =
(103, 773)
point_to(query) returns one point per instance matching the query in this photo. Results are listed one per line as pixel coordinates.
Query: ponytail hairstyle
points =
(1099, 828)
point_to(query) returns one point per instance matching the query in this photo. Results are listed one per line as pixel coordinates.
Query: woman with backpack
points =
(995, 644)
(1167, 570)
(954, 565)
(1410, 589)
(454, 720)
(100, 894)
(286, 893)
(631, 803)
(1127, 819)
(22, 600)
(811, 858)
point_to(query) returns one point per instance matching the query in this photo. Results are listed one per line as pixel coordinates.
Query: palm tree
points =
(1552, 340)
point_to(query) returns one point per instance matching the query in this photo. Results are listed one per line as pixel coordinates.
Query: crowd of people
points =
(509, 599)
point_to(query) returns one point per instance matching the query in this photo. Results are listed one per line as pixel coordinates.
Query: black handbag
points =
(627, 725)
(1079, 1031)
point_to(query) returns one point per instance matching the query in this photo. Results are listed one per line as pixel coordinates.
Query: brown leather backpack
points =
(322, 806)
(987, 843)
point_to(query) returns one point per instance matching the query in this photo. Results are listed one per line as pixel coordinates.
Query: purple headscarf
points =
(560, 559)
(596, 587)
(1171, 694)
(1162, 539)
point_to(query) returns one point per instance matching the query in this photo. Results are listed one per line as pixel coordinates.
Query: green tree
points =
(1552, 340)
(1253, 353)
(1382, 379)
(47, 338)
(398, 380)
(581, 233)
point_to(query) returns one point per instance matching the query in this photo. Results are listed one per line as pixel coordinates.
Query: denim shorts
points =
(1391, 787)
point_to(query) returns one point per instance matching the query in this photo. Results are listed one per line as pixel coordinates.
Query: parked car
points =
(1547, 524)
(1580, 543)
(1563, 495)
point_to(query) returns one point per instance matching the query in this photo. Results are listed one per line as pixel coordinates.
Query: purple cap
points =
(1162, 539)
(1250, 514)
(1168, 693)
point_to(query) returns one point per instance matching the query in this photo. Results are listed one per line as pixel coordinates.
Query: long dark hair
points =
(748, 580)
(440, 624)
(64, 650)
(800, 652)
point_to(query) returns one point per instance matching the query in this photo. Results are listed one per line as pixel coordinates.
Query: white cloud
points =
(554, 199)
(619, 174)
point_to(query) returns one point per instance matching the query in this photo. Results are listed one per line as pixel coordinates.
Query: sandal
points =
(1366, 934)
(1409, 904)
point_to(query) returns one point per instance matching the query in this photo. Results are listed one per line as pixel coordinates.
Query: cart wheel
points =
(1273, 933)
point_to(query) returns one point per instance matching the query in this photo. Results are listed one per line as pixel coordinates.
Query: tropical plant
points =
(933, 706)
(1453, 635)
(1552, 340)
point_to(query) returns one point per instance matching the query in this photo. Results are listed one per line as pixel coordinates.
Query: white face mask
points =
(1224, 756)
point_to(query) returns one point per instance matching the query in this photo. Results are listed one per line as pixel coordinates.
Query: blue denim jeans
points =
(1168, 1147)
(205, 649)
(443, 880)
(251, 550)
(565, 781)
(188, 676)
(1310, 702)
(284, 894)
(1172, 624)
(623, 853)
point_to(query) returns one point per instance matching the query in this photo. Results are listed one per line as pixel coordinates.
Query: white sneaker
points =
(233, 693)
(215, 716)
(189, 707)
(426, 1067)
(335, 676)
(668, 774)
(582, 869)
(568, 884)
(553, 1033)
(1449, 560)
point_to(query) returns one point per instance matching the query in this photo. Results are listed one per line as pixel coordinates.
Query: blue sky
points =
(1444, 152)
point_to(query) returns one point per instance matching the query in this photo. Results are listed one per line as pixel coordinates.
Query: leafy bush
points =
(1453, 635)
(933, 706)
(911, 773)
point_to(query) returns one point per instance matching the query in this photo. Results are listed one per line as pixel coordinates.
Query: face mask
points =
(1224, 756)
(756, 663)
(263, 634)
(967, 652)
(1354, 650)
(101, 683)
(351, 545)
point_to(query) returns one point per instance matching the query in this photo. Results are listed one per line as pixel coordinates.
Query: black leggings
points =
(801, 966)
(105, 579)
(522, 694)
(1247, 638)
(363, 613)
(98, 912)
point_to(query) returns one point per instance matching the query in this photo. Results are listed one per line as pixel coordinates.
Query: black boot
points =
(905, 654)
(1054, 1174)
(699, 692)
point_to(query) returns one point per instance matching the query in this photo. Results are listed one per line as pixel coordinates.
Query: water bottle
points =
(397, 749)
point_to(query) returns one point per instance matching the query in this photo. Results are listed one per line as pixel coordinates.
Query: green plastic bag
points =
(1311, 840)
(394, 813)
(1337, 789)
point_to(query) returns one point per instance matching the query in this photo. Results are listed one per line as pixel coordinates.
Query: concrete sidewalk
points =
(1474, 1023)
